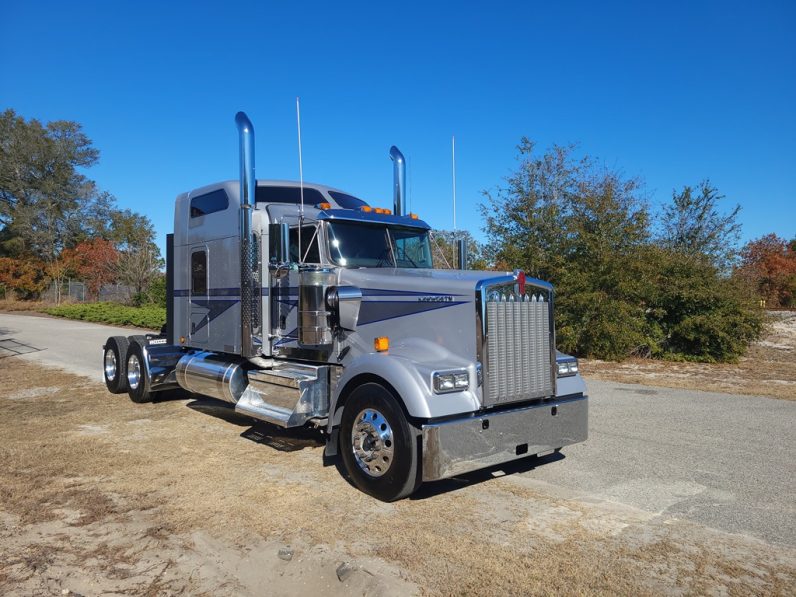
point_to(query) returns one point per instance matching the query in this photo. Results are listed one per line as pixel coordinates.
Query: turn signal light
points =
(381, 344)
(324, 205)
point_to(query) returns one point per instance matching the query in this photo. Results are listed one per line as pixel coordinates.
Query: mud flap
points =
(330, 451)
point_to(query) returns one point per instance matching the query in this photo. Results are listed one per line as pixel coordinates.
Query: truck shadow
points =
(259, 432)
(284, 440)
(523, 465)
(300, 438)
(434, 488)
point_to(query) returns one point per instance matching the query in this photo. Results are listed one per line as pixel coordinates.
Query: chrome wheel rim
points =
(133, 372)
(372, 442)
(110, 364)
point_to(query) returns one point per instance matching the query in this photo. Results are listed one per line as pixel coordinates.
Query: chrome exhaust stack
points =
(399, 181)
(249, 248)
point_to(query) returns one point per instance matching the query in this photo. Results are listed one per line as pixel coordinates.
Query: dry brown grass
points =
(10, 306)
(768, 369)
(139, 476)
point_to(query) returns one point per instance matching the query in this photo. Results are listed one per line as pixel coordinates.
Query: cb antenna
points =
(453, 167)
(460, 241)
(301, 178)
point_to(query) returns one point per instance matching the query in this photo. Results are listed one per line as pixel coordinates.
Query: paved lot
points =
(75, 346)
(725, 461)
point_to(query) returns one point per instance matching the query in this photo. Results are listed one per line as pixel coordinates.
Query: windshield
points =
(353, 244)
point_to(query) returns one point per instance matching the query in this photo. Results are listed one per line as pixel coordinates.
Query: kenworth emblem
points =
(436, 299)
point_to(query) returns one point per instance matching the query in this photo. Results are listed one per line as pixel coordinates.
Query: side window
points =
(209, 203)
(308, 235)
(288, 195)
(199, 273)
(346, 201)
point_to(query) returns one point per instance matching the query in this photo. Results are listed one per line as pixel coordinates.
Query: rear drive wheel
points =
(378, 445)
(137, 379)
(114, 364)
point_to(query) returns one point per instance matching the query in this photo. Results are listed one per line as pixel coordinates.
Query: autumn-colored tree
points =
(48, 206)
(93, 261)
(25, 277)
(769, 264)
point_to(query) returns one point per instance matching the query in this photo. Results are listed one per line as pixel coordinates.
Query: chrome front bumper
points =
(463, 445)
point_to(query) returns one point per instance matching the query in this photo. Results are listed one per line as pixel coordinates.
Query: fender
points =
(411, 379)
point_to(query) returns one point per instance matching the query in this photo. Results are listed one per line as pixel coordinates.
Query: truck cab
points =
(301, 304)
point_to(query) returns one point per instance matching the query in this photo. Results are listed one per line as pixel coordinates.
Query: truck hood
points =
(428, 315)
(430, 282)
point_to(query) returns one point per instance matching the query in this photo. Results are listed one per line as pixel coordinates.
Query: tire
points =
(378, 446)
(114, 364)
(137, 378)
(138, 338)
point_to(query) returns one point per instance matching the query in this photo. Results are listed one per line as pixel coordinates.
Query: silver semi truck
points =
(303, 305)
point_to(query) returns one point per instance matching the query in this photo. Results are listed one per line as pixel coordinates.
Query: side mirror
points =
(278, 242)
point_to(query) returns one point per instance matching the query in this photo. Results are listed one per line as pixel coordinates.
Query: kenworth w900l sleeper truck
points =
(303, 305)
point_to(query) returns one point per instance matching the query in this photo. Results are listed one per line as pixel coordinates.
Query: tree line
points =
(629, 282)
(55, 223)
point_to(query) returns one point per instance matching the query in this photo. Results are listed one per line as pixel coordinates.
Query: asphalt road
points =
(722, 460)
(75, 346)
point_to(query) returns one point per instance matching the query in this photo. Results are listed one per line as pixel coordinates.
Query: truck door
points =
(284, 306)
(199, 310)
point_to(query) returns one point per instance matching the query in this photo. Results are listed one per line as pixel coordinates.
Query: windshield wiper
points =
(384, 257)
(409, 259)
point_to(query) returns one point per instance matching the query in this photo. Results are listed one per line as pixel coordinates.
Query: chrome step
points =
(287, 395)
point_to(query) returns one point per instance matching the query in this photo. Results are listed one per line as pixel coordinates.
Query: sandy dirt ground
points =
(102, 496)
(768, 369)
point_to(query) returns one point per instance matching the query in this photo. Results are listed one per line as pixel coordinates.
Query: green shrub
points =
(702, 315)
(147, 316)
(154, 295)
(157, 291)
(621, 288)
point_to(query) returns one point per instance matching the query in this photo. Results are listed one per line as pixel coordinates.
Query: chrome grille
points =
(519, 352)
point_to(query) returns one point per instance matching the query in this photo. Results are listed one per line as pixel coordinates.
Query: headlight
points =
(566, 368)
(451, 381)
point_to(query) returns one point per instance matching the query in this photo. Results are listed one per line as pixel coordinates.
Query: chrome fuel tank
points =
(211, 375)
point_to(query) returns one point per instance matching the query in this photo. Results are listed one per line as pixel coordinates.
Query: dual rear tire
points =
(124, 367)
(114, 364)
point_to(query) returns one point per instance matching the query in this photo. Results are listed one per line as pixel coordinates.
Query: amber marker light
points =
(324, 206)
(414, 216)
(381, 344)
(366, 208)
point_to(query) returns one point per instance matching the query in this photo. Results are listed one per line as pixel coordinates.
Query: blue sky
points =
(671, 92)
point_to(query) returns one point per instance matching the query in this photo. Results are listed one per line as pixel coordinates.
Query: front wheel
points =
(379, 447)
